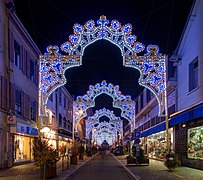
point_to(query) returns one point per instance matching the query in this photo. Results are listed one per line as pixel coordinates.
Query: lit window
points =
(193, 74)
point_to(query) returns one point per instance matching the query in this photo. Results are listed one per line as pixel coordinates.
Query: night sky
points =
(158, 22)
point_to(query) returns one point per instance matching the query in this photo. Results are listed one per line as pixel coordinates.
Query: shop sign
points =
(11, 119)
(137, 134)
(25, 129)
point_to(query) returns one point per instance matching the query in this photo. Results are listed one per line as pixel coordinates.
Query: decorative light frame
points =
(104, 132)
(82, 103)
(114, 122)
(152, 65)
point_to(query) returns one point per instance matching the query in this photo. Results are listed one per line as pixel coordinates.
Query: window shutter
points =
(23, 59)
(4, 93)
(11, 47)
(28, 65)
(26, 106)
(12, 97)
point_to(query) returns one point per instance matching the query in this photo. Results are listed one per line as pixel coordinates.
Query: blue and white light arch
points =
(114, 122)
(125, 103)
(152, 65)
(104, 131)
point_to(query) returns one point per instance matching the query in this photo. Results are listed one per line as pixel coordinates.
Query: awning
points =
(194, 113)
(155, 129)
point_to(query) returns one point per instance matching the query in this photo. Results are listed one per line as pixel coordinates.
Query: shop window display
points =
(195, 143)
(23, 148)
(157, 144)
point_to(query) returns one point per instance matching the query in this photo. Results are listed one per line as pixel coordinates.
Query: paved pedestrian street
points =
(105, 166)
(157, 171)
(102, 167)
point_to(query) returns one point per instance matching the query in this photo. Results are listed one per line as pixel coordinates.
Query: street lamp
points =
(45, 129)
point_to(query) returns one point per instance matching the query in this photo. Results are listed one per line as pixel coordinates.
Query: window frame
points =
(193, 74)
(17, 56)
(19, 105)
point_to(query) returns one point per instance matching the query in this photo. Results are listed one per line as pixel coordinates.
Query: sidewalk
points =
(157, 170)
(31, 172)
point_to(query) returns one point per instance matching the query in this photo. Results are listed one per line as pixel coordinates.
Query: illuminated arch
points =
(105, 132)
(114, 122)
(120, 101)
(152, 65)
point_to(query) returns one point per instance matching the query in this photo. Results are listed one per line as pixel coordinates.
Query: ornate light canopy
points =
(152, 65)
(120, 101)
(105, 131)
(113, 123)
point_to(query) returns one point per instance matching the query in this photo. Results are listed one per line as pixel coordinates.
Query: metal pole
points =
(73, 132)
(167, 133)
(166, 108)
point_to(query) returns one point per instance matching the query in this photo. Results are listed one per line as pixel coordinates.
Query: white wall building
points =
(188, 120)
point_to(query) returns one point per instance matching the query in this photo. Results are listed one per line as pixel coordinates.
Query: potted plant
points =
(45, 158)
(89, 151)
(171, 161)
(74, 154)
(81, 151)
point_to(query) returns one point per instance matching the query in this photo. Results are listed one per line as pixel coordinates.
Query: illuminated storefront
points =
(23, 142)
(195, 143)
(23, 148)
(64, 146)
(156, 144)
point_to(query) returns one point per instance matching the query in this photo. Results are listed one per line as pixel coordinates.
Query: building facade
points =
(152, 127)
(188, 120)
(19, 88)
(60, 118)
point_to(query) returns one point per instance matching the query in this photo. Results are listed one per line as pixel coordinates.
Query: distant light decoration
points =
(120, 101)
(114, 122)
(104, 132)
(152, 65)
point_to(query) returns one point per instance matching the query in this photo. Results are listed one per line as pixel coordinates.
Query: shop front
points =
(64, 145)
(23, 142)
(195, 143)
(189, 136)
(65, 141)
(154, 141)
(51, 138)
(156, 144)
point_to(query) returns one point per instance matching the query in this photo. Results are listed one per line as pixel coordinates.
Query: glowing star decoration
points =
(152, 65)
(119, 101)
(114, 122)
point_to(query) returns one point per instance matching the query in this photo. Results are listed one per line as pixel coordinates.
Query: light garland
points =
(152, 66)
